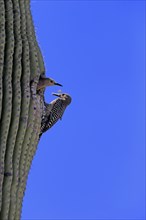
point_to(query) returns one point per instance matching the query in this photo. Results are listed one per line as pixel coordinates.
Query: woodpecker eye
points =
(51, 81)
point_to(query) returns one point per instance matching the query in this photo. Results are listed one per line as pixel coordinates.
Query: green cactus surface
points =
(21, 65)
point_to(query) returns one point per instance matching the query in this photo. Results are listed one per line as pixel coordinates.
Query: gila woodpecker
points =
(54, 111)
(43, 82)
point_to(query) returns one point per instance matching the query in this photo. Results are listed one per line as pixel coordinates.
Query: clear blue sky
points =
(91, 164)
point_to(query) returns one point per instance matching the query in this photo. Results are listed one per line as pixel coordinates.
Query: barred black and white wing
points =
(54, 115)
(54, 111)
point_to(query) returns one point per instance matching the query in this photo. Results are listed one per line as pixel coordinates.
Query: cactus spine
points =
(20, 107)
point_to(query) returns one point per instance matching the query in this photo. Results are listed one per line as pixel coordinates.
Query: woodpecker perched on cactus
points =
(54, 111)
(44, 82)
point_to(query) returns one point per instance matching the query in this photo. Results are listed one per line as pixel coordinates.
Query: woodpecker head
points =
(44, 82)
(64, 96)
(51, 82)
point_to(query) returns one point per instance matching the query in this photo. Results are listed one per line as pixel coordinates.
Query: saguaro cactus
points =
(21, 65)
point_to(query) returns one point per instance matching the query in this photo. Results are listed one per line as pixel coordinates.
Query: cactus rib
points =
(21, 107)
(34, 115)
(2, 46)
(16, 107)
(25, 87)
(7, 89)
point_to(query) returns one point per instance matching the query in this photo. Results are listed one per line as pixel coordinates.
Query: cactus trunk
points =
(21, 65)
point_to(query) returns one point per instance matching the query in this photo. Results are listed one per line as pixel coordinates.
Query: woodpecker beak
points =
(57, 84)
(56, 94)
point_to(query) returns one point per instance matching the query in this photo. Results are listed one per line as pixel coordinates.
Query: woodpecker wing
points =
(54, 115)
